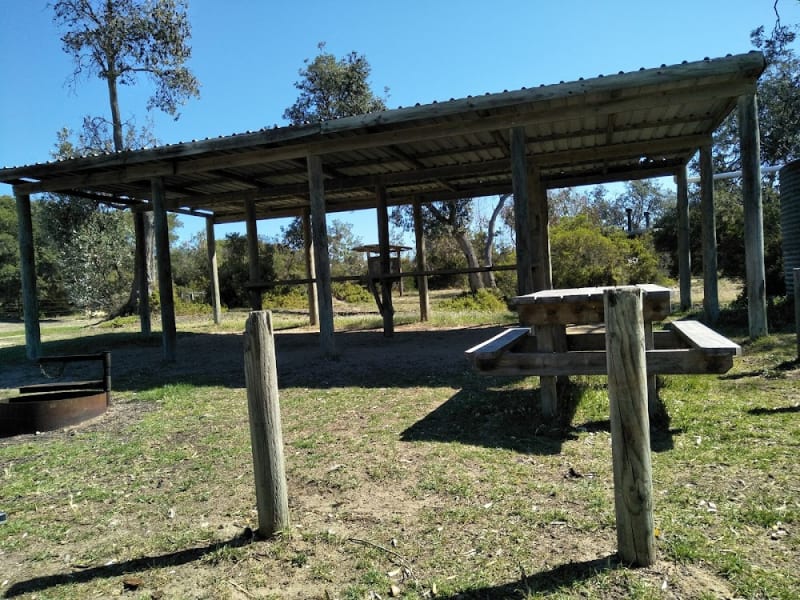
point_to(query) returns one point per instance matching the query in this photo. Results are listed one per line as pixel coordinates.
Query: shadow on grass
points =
(495, 417)
(544, 582)
(365, 359)
(500, 418)
(146, 563)
(774, 411)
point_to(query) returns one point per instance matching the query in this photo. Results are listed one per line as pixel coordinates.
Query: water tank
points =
(790, 222)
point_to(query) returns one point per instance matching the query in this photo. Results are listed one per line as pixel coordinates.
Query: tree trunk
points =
(131, 306)
(475, 280)
(488, 248)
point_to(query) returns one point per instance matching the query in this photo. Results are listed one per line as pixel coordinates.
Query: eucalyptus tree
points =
(120, 42)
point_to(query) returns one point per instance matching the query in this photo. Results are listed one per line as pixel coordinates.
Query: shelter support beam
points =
(27, 259)
(311, 269)
(684, 253)
(539, 221)
(533, 252)
(387, 310)
(213, 269)
(161, 225)
(140, 270)
(422, 263)
(710, 287)
(319, 234)
(252, 252)
(753, 216)
(522, 219)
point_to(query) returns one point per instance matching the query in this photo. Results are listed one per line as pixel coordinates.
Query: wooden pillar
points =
(213, 270)
(252, 252)
(387, 310)
(539, 221)
(684, 252)
(168, 333)
(266, 436)
(630, 428)
(140, 272)
(27, 261)
(311, 270)
(319, 234)
(522, 219)
(753, 217)
(422, 263)
(710, 288)
(550, 338)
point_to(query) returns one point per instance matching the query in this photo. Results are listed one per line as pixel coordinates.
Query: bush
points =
(350, 292)
(584, 255)
(484, 300)
(290, 297)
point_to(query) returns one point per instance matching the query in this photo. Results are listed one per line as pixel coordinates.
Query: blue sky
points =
(247, 53)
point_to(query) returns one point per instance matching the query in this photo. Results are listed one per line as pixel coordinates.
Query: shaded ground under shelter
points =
(625, 126)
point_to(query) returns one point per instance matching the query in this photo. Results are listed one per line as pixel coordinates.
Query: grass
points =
(440, 482)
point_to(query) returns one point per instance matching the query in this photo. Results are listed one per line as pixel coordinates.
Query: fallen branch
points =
(399, 559)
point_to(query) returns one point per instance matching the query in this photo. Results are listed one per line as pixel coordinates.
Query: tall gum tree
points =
(121, 41)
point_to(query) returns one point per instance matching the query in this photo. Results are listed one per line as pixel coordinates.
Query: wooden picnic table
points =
(563, 334)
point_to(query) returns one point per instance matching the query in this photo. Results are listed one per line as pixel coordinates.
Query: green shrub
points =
(484, 300)
(584, 255)
(350, 292)
(289, 297)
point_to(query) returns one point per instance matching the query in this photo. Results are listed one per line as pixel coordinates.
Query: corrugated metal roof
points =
(615, 127)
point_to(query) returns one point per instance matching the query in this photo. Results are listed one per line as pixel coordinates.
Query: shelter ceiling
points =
(617, 127)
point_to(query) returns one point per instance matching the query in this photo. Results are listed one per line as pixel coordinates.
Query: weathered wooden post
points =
(626, 362)
(266, 436)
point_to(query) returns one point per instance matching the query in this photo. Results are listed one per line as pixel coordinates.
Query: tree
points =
(778, 92)
(332, 88)
(49, 275)
(234, 270)
(119, 40)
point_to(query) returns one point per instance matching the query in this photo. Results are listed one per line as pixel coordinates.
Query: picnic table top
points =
(652, 293)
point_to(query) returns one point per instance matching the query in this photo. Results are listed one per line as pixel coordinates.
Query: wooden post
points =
(311, 270)
(626, 364)
(319, 233)
(550, 338)
(753, 217)
(387, 310)
(539, 224)
(161, 225)
(140, 270)
(266, 437)
(796, 283)
(684, 252)
(252, 252)
(422, 263)
(710, 288)
(27, 260)
(522, 218)
(211, 246)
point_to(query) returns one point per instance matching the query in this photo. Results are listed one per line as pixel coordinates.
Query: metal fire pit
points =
(49, 406)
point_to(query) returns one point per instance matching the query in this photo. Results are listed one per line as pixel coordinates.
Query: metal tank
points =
(790, 222)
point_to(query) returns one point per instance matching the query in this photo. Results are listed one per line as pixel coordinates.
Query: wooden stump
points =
(265, 424)
(630, 430)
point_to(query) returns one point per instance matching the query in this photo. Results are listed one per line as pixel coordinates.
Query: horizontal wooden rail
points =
(264, 285)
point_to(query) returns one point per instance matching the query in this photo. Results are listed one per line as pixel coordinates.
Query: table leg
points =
(550, 338)
(652, 391)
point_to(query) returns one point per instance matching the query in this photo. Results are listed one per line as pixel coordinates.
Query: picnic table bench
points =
(562, 334)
